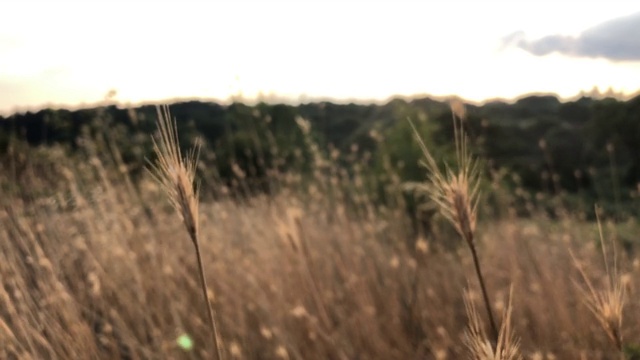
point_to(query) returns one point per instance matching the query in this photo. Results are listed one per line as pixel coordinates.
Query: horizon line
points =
(274, 99)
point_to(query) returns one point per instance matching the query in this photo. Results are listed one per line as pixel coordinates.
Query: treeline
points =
(588, 148)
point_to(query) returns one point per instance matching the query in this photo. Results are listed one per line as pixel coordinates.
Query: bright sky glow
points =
(73, 53)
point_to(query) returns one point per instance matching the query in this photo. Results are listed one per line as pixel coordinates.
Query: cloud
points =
(616, 40)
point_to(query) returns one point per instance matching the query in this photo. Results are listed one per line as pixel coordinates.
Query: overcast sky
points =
(73, 53)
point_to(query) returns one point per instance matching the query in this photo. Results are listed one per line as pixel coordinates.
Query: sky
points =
(78, 53)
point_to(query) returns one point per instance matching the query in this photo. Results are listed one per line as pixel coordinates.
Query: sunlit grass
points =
(313, 270)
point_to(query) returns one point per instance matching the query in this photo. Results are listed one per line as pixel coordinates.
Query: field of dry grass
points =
(101, 268)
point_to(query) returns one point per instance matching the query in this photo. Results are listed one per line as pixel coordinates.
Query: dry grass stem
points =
(176, 175)
(456, 194)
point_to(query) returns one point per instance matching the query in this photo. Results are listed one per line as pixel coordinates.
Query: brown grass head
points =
(455, 191)
(456, 194)
(176, 176)
(479, 345)
(607, 305)
(174, 173)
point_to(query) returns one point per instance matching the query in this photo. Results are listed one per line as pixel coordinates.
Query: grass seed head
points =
(454, 191)
(479, 345)
(174, 173)
(607, 305)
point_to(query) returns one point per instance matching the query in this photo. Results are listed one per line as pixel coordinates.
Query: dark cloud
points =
(617, 40)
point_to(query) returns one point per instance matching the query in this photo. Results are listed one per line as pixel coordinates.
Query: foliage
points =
(586, 148)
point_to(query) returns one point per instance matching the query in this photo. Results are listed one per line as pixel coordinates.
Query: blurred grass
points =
(310, 266)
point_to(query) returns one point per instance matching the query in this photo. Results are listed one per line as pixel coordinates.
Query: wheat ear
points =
(456, 193)
(176, 175)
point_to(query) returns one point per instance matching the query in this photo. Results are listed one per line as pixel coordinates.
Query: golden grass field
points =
(101, 267)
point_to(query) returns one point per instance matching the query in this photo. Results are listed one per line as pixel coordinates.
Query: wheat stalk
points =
(176, 176)
(456, 194)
